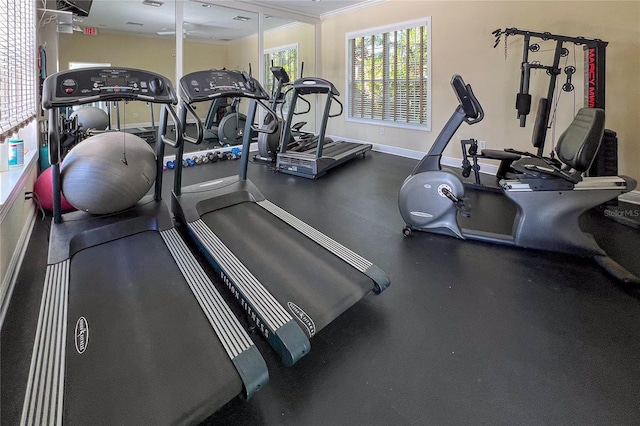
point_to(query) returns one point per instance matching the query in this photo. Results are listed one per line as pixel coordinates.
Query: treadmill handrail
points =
(162, 129)
(199, 126)
(300, 98)
(334, 99)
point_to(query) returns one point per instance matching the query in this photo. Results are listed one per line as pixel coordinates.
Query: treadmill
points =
(291, 279)
(130, 329)
(326, 154)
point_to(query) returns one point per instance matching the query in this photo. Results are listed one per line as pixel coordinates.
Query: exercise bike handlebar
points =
(468, 111)
(468, 101)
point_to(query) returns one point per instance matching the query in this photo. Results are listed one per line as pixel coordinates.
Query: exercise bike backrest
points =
(468, 110)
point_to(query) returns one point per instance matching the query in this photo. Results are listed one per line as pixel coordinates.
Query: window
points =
(285, 57)
(17, 65)
(388, 75)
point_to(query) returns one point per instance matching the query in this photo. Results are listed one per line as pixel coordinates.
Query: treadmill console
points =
(311, 85)
(202, 86)
(86, 85)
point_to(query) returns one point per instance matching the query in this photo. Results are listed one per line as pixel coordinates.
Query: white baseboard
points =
(487, 168)
(10, 278)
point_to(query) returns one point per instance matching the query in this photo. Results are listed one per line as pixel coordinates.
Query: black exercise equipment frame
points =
(595, 61)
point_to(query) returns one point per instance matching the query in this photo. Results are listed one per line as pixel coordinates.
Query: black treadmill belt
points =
(335, 149)
(148, 340)
(291, 266)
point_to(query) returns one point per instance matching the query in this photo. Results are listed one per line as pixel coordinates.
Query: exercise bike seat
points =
(509, 155)
(505, 157)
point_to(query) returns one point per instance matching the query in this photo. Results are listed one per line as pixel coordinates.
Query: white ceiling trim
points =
(347, 9)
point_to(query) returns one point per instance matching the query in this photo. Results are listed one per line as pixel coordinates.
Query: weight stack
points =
(606, 161)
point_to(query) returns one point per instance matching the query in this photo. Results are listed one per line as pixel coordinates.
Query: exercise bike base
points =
(616, 270)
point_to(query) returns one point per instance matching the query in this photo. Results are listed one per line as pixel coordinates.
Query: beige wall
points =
(199, 56)
(462, 43)
(202, 56)
(243, 53)
(149, 53)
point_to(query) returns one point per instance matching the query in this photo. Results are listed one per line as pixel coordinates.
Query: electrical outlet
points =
(482, 145)
(382, 130)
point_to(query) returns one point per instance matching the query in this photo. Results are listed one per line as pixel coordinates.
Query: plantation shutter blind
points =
(17, 65)
(388, 76)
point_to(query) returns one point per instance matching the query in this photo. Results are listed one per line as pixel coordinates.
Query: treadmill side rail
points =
(245, 356)
(271, 319)
(360, 263)
(45, 385)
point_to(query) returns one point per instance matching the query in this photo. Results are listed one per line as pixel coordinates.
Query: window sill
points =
(12, 180)
(389, 123)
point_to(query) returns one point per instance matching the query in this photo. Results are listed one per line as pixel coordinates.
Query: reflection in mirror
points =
(122, 40)
(291, 45)
(216, 36)
(219, 37)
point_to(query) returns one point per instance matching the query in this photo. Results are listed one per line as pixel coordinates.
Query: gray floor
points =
(468, 332)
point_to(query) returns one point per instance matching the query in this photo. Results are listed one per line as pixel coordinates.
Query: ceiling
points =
(206, 20)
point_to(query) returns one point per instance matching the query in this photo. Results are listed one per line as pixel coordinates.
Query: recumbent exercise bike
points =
(549, 199)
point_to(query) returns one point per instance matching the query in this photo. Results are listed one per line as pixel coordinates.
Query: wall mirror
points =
(128, 34)
(220, 37)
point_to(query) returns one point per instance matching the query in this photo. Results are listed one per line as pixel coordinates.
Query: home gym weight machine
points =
(594, 97)
(549, 199)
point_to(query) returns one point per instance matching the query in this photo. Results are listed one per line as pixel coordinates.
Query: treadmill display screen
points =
(116, 81)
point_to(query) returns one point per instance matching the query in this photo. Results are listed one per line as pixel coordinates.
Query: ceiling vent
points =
(154, 3)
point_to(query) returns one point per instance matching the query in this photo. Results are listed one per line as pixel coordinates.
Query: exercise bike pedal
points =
(457, 202)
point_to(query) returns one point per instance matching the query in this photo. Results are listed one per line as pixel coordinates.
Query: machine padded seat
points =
(576, 148)
(497, 154)
(579, 144)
